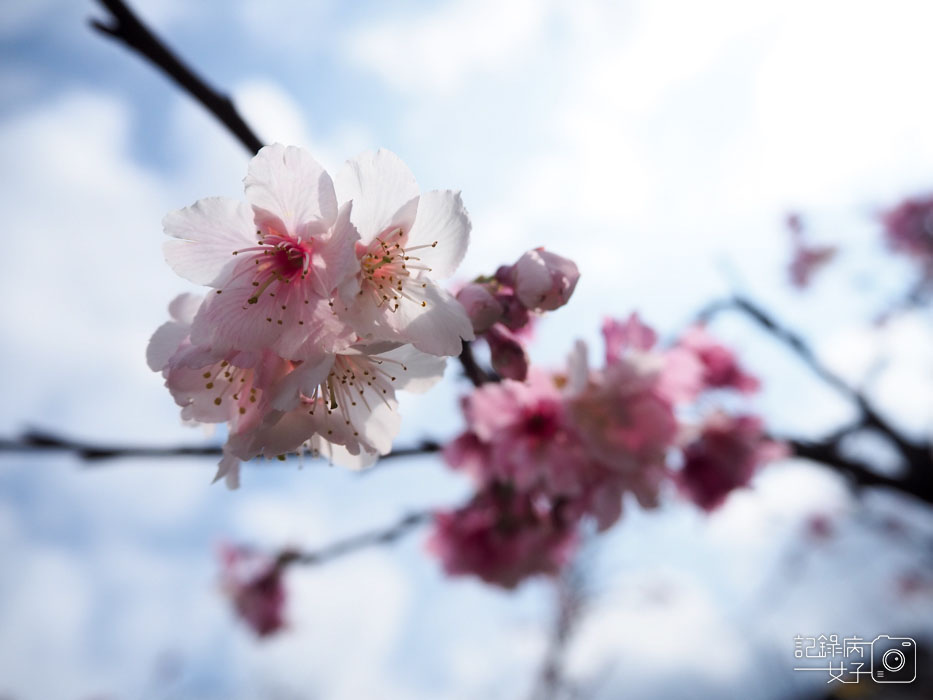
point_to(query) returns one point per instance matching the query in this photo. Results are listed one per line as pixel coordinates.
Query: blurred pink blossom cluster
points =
(806, 259)
(563, 447)
(253, 582)
(324, 301)
(908, 228)
(502, 308)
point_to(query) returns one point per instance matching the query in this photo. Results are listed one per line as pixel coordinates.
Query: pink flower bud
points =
(515, 315)
(544, 281)
(507, 354)
(480, 305)
(255, 587)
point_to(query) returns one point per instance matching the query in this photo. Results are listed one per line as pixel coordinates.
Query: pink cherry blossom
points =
(909, 228)
(544, 281)
(408, 241)
(503, 537)
(623, 417)
(527, 435)
(620, 336)
(724, 457)
(344, 408)
(721, 369)
(807, 261)
(275, 265)
(254, 584)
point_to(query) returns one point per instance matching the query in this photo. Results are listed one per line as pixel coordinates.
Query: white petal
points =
(438, 327)
(383, 191)
(302, 380)
(418, 372)
(208, 232)
(184, 307)
(229, 469)
(441, 218)
(287, 183)
(334, 259)
(164, 343)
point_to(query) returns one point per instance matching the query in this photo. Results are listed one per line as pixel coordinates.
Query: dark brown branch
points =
(356, 542)
(124, 26)
(472, 369)
(918, 481)
(35, 441)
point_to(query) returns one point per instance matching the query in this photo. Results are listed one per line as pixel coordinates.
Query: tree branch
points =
(34, 441)
(355, 542)
(471, 368)
(124, 26)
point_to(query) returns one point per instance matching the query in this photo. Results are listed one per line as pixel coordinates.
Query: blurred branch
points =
(34, 441)
(125, 26)
(472, 369)
(918, 458)
(572, 595)
(356, 542)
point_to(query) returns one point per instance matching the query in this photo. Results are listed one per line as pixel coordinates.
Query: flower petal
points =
(288, 184)
(208, 232)
(438, 327)
(383, 191)
(302, 380)
(334, 259)
(443, 219)
(417, 371)
(164, 343)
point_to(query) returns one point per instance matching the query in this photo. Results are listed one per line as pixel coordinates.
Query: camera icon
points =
(893, 659)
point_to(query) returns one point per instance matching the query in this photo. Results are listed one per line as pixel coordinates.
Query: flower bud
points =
(544, 281)
(507, 354)
(480, 306)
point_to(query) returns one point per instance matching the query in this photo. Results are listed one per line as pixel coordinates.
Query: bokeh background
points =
(658, 144)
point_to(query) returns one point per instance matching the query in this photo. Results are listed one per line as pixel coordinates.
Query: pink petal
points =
(208, 232)
(288, 184)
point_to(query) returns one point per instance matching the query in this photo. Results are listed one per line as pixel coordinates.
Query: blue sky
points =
(658, 144)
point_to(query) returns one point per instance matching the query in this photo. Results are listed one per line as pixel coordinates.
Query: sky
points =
(658, 144)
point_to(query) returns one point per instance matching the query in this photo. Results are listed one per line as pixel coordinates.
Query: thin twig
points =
(124, 26)
(35, 441)
(355, 542)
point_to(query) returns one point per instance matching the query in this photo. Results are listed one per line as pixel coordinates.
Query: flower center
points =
(277, 258)
(390, 271)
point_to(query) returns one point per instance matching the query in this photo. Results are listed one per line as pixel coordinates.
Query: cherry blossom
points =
(721, 369)
(909, 228)
(408, 242)
(275, 265)
(725, 456)
(343, 408)
(253, 582)
(544, 281)
(503, 537)
(480, 305)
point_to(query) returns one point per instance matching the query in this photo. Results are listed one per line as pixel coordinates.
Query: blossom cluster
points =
(502, 307)
(560, 448)
(908, 228)
(323, 301)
